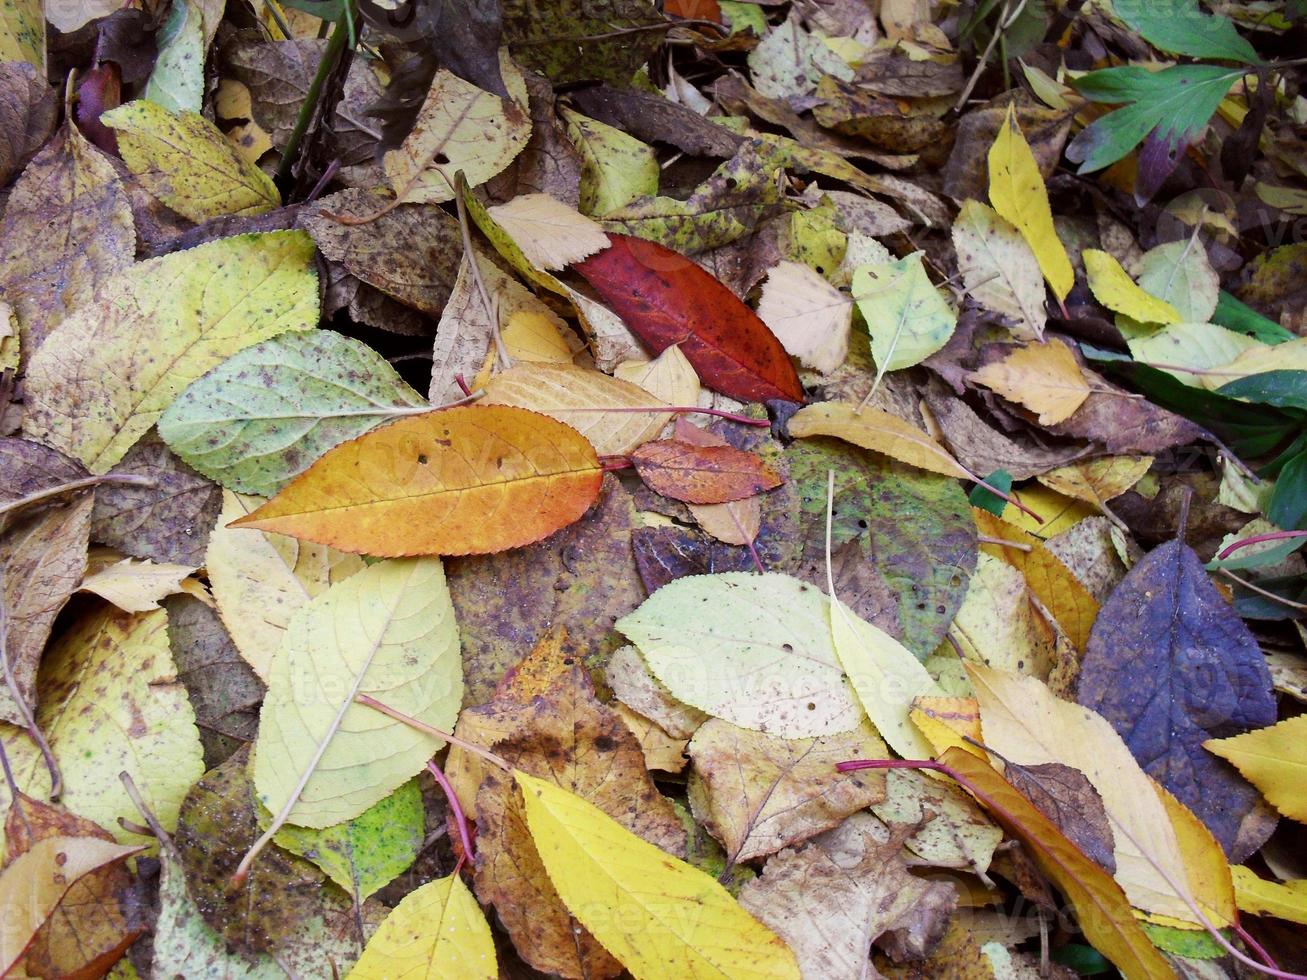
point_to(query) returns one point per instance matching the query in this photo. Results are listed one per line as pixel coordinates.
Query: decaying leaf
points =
(700, 474)
(1043, 377)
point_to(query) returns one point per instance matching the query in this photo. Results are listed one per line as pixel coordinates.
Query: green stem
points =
(335, 45)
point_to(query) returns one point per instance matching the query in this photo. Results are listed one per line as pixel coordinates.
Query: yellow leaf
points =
(388, 632)
(459, 127)
(469, 480)
(669, 377)
(578, 397)
(550, 234)
(36, 881)
(1043, 377)
(188, 164)
(1274, 760)
(106, 374)
(658, 915)
(1113, 287)
(878, 431)
(1099, 480)
(1028, 725)
(1016, 189)
(260, 580)
(1287, 901)
(997, 625)
(530, 335)
(133, 585)
(809, 316)
(885, 676)
(1058, 512)
(1289, 356)
(945, 720)
(22, 32)
(437, 930)
(111, 701)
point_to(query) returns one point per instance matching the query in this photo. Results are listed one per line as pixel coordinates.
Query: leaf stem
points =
(1259, 539)
(422, 726)
(126, 479)
(460, 820)
(677, 410)
(335, 45)
(22, 707)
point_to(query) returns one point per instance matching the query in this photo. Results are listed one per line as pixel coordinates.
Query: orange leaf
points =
(459, 481)
(1101, 906)
(702, 474)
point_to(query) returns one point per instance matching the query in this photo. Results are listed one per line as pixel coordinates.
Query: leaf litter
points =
(689, 489)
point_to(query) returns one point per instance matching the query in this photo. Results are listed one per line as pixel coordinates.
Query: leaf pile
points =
(653, 488)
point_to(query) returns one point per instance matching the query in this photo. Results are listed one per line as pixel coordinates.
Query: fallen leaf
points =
(947, 828)
(1113, 287)
(1097, 481)
(1170, 664)
(1189, 350)
(1287, 900)
(999, 269)
(736, 522)
(1273, 760)
(631, 681)
(258, 419)
(23, 39)
(984, 449)
(666, 299)
(1180, 273)
(754, 650)
(600, 869)
(1043, 377)
(107, 373)
(550, 234)
(578, 397)
(702, 474)
(907, 317)
(387, 631)
(763, 793)
(571, 40)
(134, 585)
(1016, 190)
(1069, 800)
(438, 483)
(998, 626)
(878, 431)
(436, 927)
(187, 163)
(810, 317)
(616, 167)
(833, 897)
(532, 335)
(668, 377)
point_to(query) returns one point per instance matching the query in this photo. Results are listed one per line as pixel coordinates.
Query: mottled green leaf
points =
(616, 167)
(575, 40)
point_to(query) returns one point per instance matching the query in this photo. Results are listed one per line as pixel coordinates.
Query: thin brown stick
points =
(422, 726)
(20, 704)
(124, 479)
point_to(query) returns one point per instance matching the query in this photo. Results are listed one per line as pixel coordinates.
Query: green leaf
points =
(906, 316)
(262, 416)
(1181, 27)
(177, 82)
(1174, 104)
(1192, 944)
(1284, 389)
(368, 852)
(1288, 505)
(1235, 314)
(983, 498)
(616, 168)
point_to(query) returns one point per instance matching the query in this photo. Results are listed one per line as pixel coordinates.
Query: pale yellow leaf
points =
(669, 377)
(437, 930)
(809, 316)
(579, 396)
(1044, 377)
(530, 335)
(187, 163)
(905, 313)
(1289, 356)
(106, 374)
(999, 269)
(997, 626)
(1017, 192)
(131, 584)
(388, 632)
(1098, 480)
(550, 234)
(1113, 287)
(658, 915)
(1189, 351)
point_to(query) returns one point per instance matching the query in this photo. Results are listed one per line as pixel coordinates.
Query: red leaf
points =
(666, 299)
(693, 9)
(702, 474)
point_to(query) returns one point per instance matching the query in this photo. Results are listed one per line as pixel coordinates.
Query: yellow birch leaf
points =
(1287, 901)
(1017, 192)
(437, 930)
(578, 396)
(878, 431)
(1274, 760)
(260, 580)
(459, 127)
(1043, 377)
(530, 335)
(388, 632)
(187, 163)
(669, 377)
(550, 234)
(1113, 287)
(658, 915)
(22, 33)
(1098, 480)
(885, 676)
(1028, 725)
(106, 374)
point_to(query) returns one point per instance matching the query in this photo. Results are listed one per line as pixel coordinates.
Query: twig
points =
(1001, 24)
(1003, 542)
(126, 479)
(20, 704)
(676, 410)
(474, 267)
(422, 726)
(335, 45)
(460, 821)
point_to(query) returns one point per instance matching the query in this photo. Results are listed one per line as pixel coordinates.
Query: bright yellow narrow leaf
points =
(438, 930)
(885, 676)
(187, 163)
(1113, 287)
(1016, 189)
(1043, 377)
(661, 917)
(106, 374)
(1287, 901)
(1274, 760)
(550, 234)
(878, 431)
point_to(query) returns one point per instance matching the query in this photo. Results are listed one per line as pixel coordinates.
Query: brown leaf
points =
(663, 554)
(550, 164)
(702, 474)
(29, 109)
(28, 468)
(653, 118)
(631, 681)
(983, 449)
(1067, 798)
(758, 793)
(1125, 425)
(42, 562)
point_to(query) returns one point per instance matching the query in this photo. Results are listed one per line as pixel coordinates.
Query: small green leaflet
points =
(906, 316)
(262, 416)
(1182, 27)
